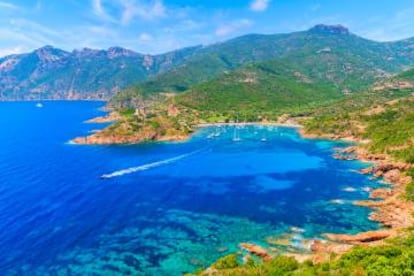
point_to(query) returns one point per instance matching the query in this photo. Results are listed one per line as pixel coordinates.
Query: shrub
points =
(226, 262)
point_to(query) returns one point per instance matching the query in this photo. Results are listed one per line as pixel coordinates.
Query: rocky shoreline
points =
(106, 137)
(388, 205)
(102, 137)
(392, 210)
(113, 116)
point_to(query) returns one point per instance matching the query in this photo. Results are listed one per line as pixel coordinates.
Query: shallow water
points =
(164, 208)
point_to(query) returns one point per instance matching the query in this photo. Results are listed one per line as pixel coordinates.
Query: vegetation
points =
(269, 87)
(394, 258)
(227, 262)
(329, 91)
(385, 119)
(348, 62)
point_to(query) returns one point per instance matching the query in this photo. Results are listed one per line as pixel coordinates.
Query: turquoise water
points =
(163, 208)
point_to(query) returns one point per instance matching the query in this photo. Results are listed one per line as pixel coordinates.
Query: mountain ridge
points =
(52, 73)
(323, 54)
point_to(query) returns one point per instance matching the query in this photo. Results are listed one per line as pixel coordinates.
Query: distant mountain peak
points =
(120, 52)
(50, 53)
(332, 29)
(46, 48)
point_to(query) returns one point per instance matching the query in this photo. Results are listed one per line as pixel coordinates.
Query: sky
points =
(158, 26)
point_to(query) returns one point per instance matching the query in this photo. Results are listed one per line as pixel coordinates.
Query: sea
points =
(162, 208)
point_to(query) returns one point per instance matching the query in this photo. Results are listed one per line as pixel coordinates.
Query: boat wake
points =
(148, 166)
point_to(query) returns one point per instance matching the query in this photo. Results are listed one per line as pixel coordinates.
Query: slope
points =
(331, 52)
(50, 73)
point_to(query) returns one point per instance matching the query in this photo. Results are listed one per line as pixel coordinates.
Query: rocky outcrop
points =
(345, 154)
(323, 250)
(104, 139)
(381, 193)
(392, 212)
(256, 250)
(173, 111)
(390, 171)
(364, 237)
(333, 29)
(111, 117)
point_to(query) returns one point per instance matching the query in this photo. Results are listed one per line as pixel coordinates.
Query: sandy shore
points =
(276, 124)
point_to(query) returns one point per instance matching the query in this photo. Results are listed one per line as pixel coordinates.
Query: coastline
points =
(388, 205)
(52, 100)
(99, 137)
(390, 209)
(266, 123)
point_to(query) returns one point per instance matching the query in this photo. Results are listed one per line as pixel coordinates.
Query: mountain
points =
(330, 53)
(257, 88)
(51, 73)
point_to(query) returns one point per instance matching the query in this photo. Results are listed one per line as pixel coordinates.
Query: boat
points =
(39, 105)
(236, 135)
(217, 133)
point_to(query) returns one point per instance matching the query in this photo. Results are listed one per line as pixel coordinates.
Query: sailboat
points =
(39, 105)
(217, 133)
(264, 139)
(236, 135)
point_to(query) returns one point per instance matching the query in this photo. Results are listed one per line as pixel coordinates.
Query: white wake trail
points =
(148, 166)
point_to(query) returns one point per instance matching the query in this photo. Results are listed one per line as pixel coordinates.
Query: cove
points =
(167, 208)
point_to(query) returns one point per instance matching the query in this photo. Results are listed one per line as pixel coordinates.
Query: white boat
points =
(236, 135)
(217, 133)
(39, 105)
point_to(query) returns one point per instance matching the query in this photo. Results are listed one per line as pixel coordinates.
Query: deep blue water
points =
(185, 205)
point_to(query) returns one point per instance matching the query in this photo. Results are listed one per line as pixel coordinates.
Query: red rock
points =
(381, 193)
(363, 237)
(256, 250)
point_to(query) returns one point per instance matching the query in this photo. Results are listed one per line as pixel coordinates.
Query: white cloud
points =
(8, 6)
(145, 38)
(99, 10)
(11, 51)
(148, 11)
(259, 5)
(227, 29)
(31, 34)
(123, 12)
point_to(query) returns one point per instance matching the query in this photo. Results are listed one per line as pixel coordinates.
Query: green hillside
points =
(385, 120)
(324, 52)
(268, 86)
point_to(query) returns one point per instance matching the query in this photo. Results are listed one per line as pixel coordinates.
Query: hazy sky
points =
(155, 26)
